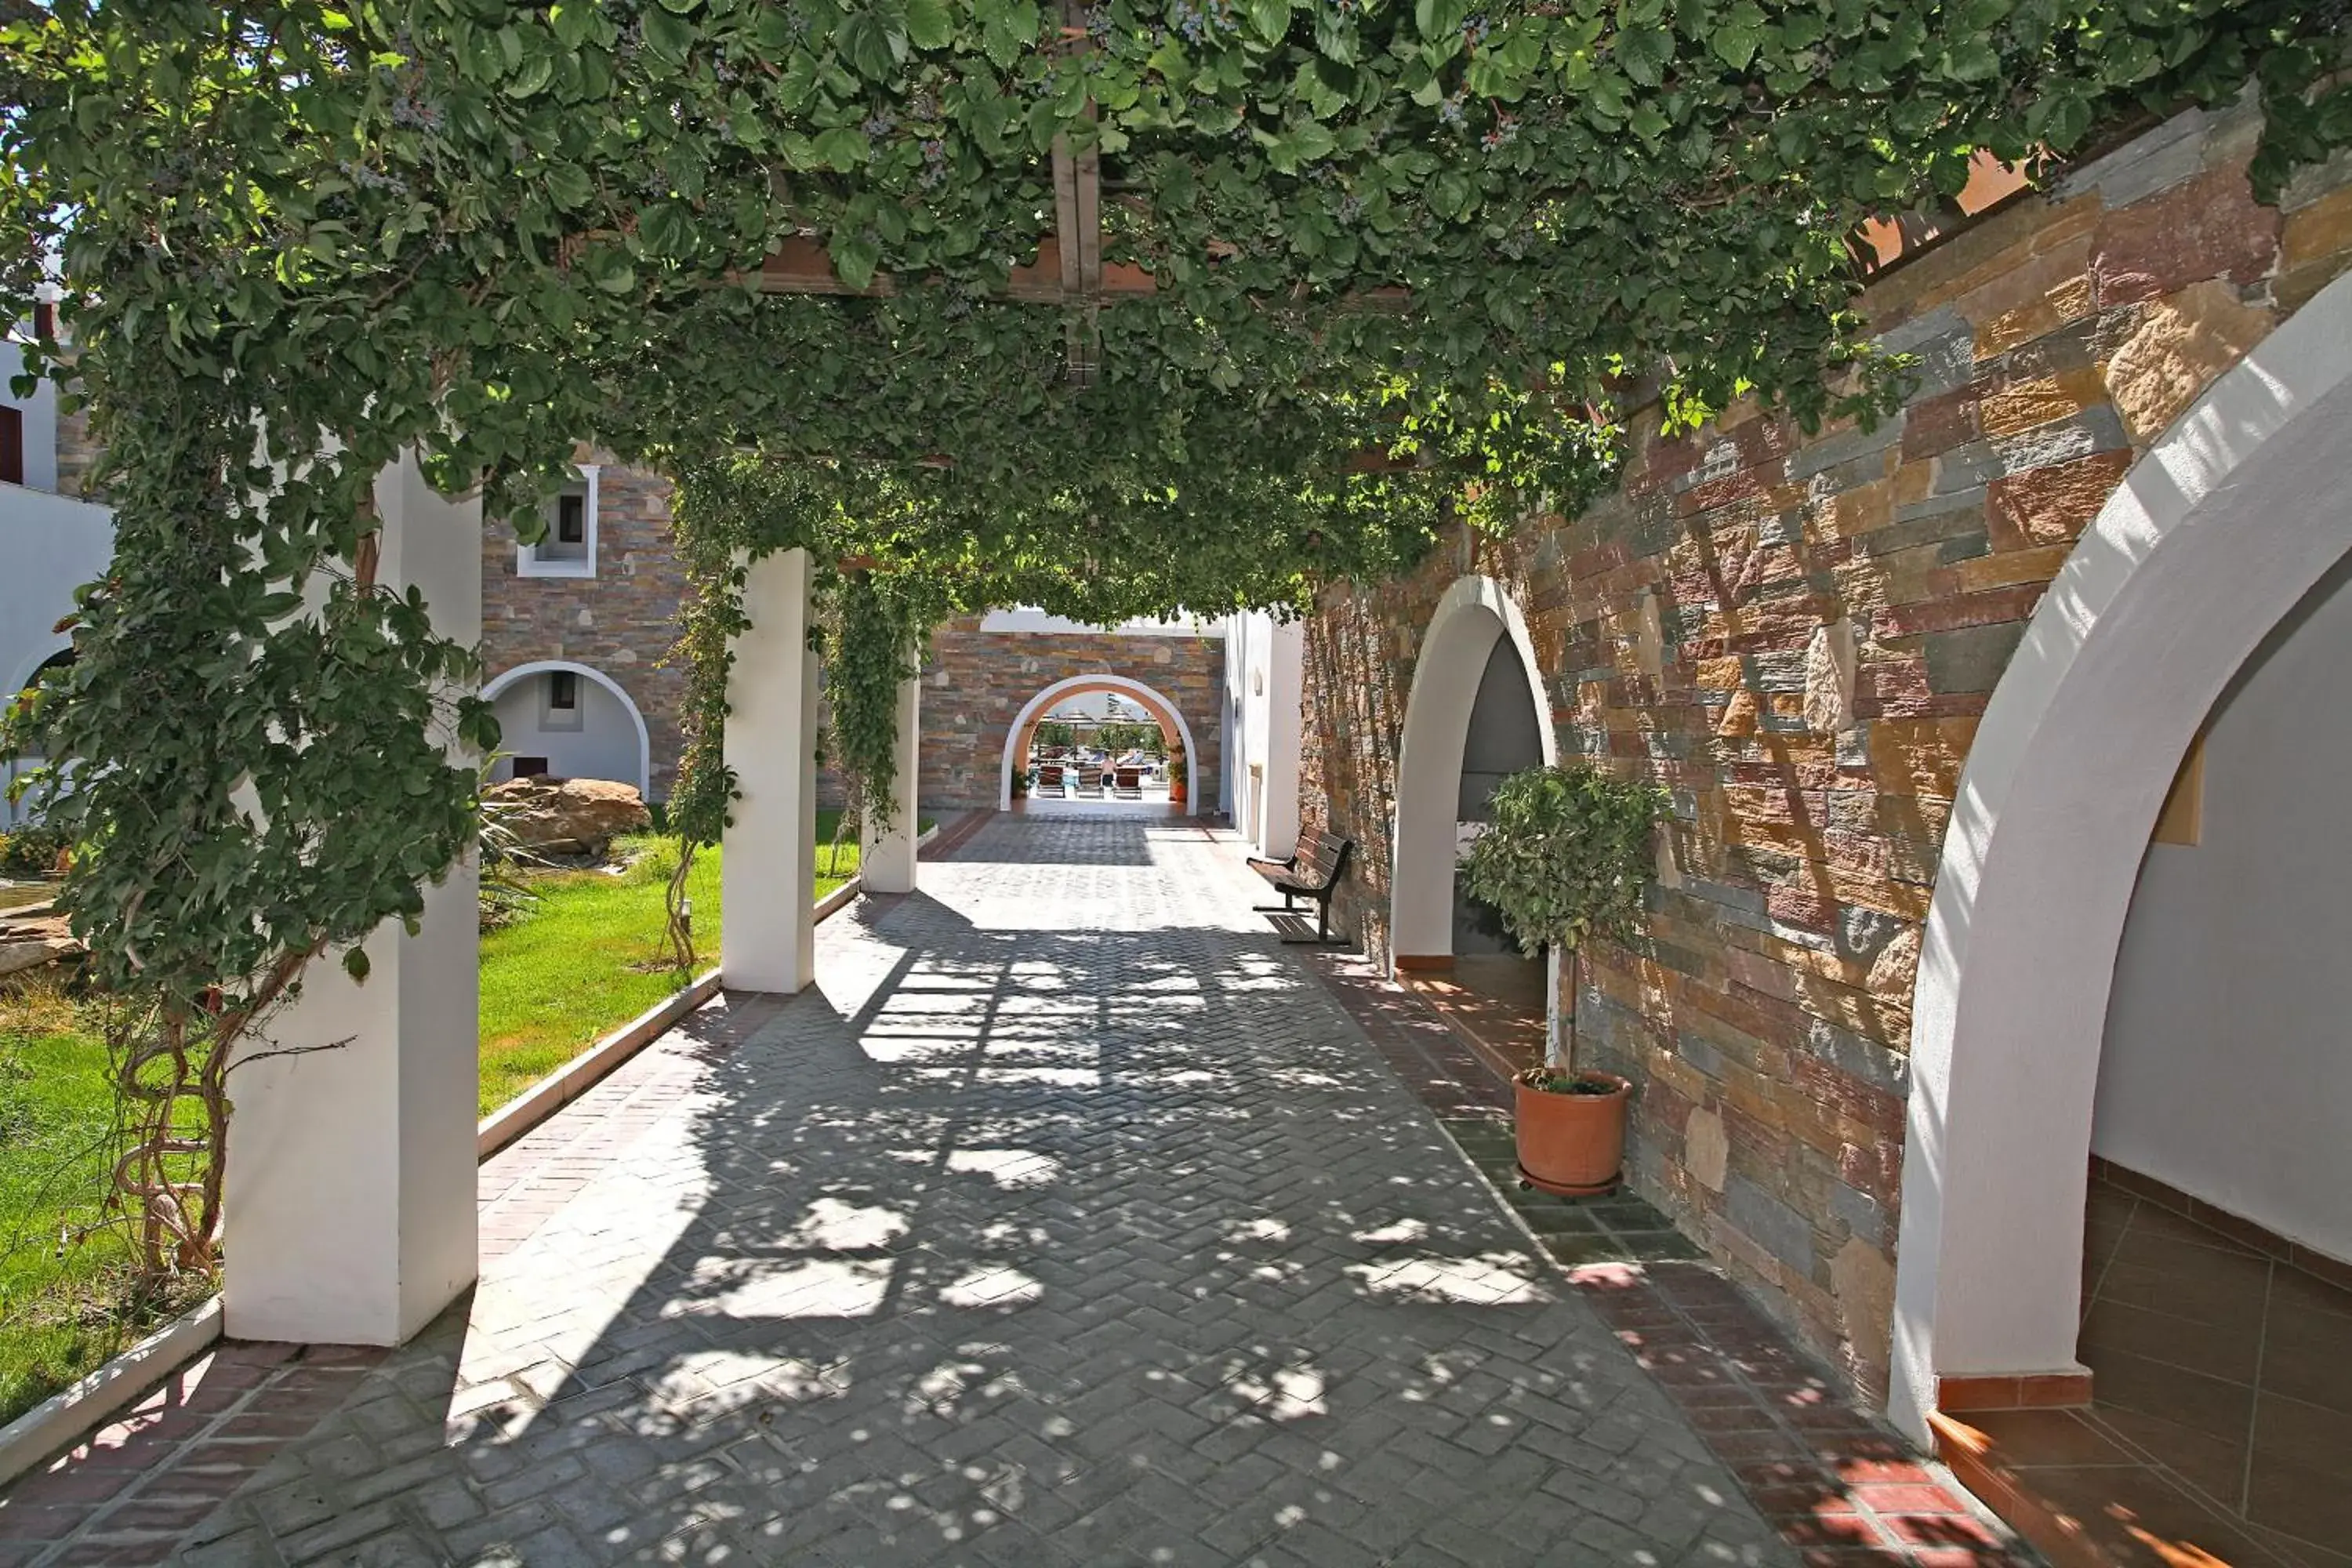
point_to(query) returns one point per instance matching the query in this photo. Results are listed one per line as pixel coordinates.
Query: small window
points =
(530, 767)
(571, 518)
(12, 445)
(560, 710)
(568, 547)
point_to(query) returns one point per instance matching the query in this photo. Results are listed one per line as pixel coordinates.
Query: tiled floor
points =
(2231, 1369)
(1495, 1001)
(2221, 1431)
(1065, 1222)
(1836, 1485)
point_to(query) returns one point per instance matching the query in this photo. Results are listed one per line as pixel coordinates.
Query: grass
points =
(588, 956)
(584, 958)
(64, 1297)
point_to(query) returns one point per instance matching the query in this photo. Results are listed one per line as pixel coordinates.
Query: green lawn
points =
(586, 957)
(62, 1306)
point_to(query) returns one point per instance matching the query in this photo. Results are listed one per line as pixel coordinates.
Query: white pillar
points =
(1284, 738)
(768, 874)
(349, 1214)
(886, 860)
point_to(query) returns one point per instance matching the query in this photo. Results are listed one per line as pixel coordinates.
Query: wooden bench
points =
(1128, 783)
(1312, 872)
(1049, 777)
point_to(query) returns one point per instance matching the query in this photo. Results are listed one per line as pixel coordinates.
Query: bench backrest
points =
(1131, 778)
(1322, 857)
(1050, 773)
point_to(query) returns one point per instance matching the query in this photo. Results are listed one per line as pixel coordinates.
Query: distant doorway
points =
(1091, 739)
(1473, 719)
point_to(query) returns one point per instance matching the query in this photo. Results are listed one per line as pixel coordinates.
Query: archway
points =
(57, 655)
(599, 734)
(1476, 713)
(2213, 537)
(1166, 714)
(13, 812)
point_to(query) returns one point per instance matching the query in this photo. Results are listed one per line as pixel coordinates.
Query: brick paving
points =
(1069, 1222)
(1839, 1486)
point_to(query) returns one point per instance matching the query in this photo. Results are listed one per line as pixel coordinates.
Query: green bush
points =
(1565, 856)
(31, 850)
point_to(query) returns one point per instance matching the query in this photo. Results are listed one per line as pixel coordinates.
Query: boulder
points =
(566, 816)
(30, 938)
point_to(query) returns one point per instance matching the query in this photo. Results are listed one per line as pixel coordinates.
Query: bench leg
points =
(1322, 937)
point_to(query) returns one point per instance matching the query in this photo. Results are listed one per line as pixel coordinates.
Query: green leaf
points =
(1643, 53)
(574, 22)
(844, 148)
(668, 35)
(530, 77)
(1435, 19)
(355, 964)
(930, 24)
(854, 258)
(1735, 46)
(1270, 18)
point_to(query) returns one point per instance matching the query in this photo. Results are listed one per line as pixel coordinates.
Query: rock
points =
(31, 938)
(566, 816)
(2186, 342)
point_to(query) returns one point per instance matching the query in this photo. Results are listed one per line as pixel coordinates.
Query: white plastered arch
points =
(1043, 703)
(1472, 616)
(21, 679)
(2212, 537)
(548, 666)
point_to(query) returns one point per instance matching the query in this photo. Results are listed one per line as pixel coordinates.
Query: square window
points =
(568, 547)
(560, 711)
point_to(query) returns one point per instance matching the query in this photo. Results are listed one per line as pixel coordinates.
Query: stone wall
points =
(1796, 637)
(975, 684)
(620, 622)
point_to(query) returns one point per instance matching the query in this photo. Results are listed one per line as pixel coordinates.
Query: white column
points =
(350, 1203)
(1285, 692)
(886, 860)
(768, 875)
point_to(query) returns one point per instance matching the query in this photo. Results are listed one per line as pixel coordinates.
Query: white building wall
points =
(608, 743)
(1025, 620)
(2227, 1066)
(1263, 660)
(40, 412)
(49, 546)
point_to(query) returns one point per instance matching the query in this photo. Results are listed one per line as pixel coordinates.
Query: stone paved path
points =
(1070, 1223)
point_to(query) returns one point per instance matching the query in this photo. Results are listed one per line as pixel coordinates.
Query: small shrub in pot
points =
(1564, 858)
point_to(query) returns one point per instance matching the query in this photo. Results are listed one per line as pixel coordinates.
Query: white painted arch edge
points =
(1445, 676)
(1044, 703)
(52, 645)
(2185, 569)
(548, 666)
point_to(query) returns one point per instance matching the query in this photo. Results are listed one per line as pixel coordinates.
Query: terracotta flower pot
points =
(1572, 1145)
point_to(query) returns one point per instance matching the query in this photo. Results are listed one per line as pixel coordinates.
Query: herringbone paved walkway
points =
(1070, 1223)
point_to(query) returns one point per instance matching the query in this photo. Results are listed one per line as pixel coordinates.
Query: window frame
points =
(528, 561)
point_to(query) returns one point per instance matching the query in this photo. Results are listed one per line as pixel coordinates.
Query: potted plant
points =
(1176, 777)
(1564, 858)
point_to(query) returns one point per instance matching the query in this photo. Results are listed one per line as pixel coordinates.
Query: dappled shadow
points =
(1073, 1232)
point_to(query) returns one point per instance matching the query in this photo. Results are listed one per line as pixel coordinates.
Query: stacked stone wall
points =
(975, 684)
(1796, 636)
(620, 622)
